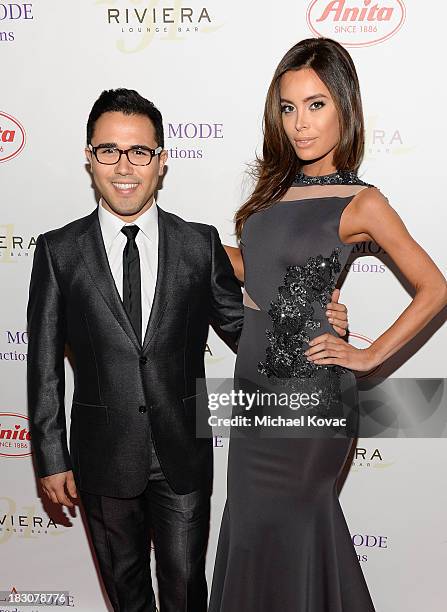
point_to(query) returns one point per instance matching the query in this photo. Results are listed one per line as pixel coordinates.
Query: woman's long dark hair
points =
(279, 164)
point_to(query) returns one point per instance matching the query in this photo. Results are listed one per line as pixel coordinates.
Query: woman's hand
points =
(330, 350)
(337, 314)
(235, 256)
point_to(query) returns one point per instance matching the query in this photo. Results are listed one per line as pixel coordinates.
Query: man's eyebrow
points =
(313, 97)
(107, 145)
(113, 145)
(137, 146)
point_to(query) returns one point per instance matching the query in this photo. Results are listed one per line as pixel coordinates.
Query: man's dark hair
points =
(129, 102)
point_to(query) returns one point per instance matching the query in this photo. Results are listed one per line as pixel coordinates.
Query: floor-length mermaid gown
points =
(284, 545)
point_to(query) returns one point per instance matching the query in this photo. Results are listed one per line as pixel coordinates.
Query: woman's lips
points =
(302, 143)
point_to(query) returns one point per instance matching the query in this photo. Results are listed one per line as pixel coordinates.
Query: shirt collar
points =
(111, 225)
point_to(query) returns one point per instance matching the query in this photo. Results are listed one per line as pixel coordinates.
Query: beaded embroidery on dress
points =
(335, 178)
(292, 312)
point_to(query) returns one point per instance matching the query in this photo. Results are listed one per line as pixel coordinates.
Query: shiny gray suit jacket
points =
(126, 395)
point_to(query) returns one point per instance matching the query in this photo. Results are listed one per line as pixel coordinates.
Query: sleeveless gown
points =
(284, 545)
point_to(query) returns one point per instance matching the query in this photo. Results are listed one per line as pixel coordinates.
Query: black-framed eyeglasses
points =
(137, 156)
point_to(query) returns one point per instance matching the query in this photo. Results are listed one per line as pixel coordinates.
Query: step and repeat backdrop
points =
(207, 65)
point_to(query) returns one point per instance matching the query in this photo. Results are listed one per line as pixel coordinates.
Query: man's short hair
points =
(129, 102)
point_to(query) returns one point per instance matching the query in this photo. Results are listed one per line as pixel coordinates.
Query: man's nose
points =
(124, 166)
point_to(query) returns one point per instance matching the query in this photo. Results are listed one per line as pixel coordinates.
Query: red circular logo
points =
(15, 438)
(12, 137)
(356, 23)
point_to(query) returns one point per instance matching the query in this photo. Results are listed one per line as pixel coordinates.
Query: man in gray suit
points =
(131, 289)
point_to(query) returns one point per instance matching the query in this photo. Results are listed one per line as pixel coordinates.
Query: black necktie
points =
(132, 278)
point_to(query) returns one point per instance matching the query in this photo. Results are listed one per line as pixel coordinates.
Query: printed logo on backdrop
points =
(11, 14)
(368, 258)
(383, 139)
(361, 249)
(13, 344)
(371, 458)
(15, 246)
(189, 140)
(356, 23)
(25, 522)
(359, 340)
(364, 543)
(15, 438)
(210, 357)
(12, 136)
(136, 24)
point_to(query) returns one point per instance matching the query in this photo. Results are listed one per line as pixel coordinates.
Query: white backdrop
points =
(208, 68)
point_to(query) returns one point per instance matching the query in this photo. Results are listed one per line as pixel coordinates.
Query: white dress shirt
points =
(147, 243)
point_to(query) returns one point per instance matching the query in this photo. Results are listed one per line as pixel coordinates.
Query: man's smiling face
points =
(127, 190)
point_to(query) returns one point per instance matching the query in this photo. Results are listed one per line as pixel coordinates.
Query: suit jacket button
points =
(142, 409)
(143, 360)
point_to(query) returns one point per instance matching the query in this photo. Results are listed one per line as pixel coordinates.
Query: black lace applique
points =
(336, 178)
(292, 315)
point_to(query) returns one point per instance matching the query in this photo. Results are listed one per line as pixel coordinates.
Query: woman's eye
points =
(319, 104)
(286, 108)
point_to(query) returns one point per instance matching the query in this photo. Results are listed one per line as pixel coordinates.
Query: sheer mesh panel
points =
(307, 192)
(247, 301)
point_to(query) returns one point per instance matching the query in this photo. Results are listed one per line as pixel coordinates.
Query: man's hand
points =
(54, 487)
(337, 314)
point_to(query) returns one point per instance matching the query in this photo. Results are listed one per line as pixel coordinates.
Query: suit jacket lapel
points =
(170, 242)
(93, 252)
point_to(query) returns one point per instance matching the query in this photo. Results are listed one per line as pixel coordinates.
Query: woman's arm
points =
(370, 217)
(237, 262)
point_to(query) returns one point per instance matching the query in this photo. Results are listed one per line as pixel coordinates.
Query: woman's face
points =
(309, 118)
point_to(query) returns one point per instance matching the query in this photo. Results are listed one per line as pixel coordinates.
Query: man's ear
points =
(163, 158)
(88, 155)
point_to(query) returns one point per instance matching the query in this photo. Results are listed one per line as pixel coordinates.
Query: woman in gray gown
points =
(284, 544)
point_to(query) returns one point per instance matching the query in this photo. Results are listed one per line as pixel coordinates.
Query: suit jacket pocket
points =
(197, 414)
(92, 413)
